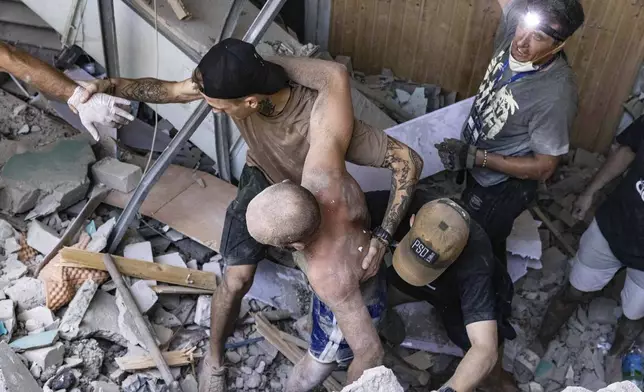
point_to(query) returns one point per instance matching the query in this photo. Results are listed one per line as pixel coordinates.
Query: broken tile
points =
(35, 341)
(11, 245)
(99, 238)
(101, 319)
(275, 285)
(139, 251)
(13, 268)
(173, 259)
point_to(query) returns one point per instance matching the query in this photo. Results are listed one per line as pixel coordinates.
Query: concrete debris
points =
(162, 317)
(11, 245)
(194, 250)
(13, 268)
(70, 325)
(47, 180)
(36, 318)
(27, 293)
(173, 259)
(202, 312)
(420, 360)
(14, 375)
(144, 296)
(6, 230)
(162, 333)
(42, 237)
(47, 356)
(213, 267)
(99, 238)
(189, 384)
(7, 318)
(380, 379)
(192, 264)
(139, 251)
(92, 357)
(103, 386)
(424, 329)
(101, 320)
(126, 324)
(525, 365)
(120, 176)
(603, 311)
(281, 287)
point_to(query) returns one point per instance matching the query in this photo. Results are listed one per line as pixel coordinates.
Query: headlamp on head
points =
(532, 20)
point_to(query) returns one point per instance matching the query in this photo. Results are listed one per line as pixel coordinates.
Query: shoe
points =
(211, 379)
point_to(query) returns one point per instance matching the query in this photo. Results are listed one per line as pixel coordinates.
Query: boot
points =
(627, 331)
(559, 311)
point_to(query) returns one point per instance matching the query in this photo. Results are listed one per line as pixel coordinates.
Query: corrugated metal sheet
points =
(449, 43)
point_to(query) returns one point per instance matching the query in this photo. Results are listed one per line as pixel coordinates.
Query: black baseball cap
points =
(233, 69)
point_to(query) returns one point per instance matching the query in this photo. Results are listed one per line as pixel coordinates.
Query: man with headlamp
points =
(519, 125)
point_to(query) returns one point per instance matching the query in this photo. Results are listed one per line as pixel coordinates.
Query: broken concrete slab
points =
(144, 296)
(121, 176)
(280, 287)
(103, 386)
(41, 237)
(213, 267)
(27, 293)
(14, 375)
(424, 329)
(48, 180)
(36, 318)
(202, 312)
(189, 384)
(69, 327)
(101, 319)
(126, 323)
(194, 250)
(173, 259)
(524, 239)
(47, 356)
(35, 341)
(13, 268)
(165, 318)
(11, 245)
(139, 251)
(6, 230)
(99, 238)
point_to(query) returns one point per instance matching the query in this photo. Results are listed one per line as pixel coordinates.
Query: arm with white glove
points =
(100, 109)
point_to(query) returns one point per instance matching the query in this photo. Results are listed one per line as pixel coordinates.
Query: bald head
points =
(283, 214)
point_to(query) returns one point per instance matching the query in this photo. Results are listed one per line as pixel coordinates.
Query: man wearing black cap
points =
(273, 114)
(523, 112)
(445, 258)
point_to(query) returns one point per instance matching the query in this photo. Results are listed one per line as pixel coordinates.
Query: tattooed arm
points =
(406, 166)
(148, 90)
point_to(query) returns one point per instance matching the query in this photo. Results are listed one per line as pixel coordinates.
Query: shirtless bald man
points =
(327, 220)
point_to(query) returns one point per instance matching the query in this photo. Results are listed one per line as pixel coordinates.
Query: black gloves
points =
(456, 155)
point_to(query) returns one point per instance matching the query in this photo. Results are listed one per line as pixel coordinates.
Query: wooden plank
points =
(362, 55)
(141, 269)
(384, 9)
(459, 29)
(438, 41)
(180, 202)
(408, 39)
(173, 358)
(430, 10)
(180, 290)
(350, 26)
(394, 36)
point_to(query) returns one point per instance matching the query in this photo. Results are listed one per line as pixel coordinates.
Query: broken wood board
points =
(179, 9)
(180, 290)
(293, 353)
(141, 269)
(142, 362)
(181, 203)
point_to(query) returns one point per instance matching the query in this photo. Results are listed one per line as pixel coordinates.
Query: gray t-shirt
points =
(533, 114)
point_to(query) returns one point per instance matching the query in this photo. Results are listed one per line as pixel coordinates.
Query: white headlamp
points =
(532, 20)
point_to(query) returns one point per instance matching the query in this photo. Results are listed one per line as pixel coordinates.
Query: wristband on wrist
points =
(484, 164)
(382, 235)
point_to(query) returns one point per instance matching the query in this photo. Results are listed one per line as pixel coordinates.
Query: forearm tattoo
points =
(406, 166)
(146, 90)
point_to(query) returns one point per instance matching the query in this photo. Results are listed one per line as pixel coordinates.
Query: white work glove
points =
(99, 109)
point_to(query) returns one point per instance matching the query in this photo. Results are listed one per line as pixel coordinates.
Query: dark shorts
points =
(238, 247)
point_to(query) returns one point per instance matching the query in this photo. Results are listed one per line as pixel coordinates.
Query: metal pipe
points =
(108, 29)
(254, 33)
